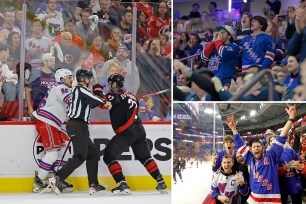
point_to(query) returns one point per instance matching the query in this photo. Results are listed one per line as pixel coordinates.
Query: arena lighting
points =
(187, 141)
(229, 5)
(242, 117)
(245, 1)
(208, 111)
(249, 132)
(253, 112)
(178, 128)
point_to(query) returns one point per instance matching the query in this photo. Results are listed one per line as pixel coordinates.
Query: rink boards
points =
(21, 151)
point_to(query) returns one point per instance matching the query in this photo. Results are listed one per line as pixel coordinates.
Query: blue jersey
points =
(280, 50)
(289, 183)
(292, 81)
(40, 82)
(193, 50)
(222, 59)
(257, 49)
(263, 174)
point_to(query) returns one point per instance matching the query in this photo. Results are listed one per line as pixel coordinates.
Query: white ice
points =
(195, 186)
(137, 197)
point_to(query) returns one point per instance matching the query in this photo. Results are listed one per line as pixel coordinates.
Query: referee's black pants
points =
(83, 149)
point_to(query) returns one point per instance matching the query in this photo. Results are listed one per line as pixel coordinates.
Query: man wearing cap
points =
(259, 48)
(132, 82)
(222, 54)
(40, 82)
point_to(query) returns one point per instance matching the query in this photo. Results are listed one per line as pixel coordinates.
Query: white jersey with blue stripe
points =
(52, 109)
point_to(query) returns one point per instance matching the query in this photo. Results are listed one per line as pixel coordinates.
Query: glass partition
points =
(103, 36)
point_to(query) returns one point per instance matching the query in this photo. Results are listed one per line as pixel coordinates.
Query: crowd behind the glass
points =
(94, 35)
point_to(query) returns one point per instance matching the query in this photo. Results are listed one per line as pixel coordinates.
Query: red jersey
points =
(146, 8)
(157, 26)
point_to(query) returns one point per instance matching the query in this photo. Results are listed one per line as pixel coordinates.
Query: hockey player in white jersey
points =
(226, 183)
(50, 116)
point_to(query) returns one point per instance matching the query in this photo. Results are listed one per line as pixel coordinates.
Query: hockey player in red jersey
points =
(129, 133)
(50, 116)
(263, 167)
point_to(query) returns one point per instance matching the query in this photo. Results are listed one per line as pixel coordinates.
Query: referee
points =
(81, 102)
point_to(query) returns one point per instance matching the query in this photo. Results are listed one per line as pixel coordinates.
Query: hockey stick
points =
(153, 93)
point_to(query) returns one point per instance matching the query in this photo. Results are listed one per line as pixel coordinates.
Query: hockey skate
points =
(56, 184)
(161, 185)
(67, 187)
(122, 189)
(96, 188)
(39, 185)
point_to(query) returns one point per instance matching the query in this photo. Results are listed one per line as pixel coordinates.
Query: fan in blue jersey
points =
(259, 48)
(263, 168)
(222, 54)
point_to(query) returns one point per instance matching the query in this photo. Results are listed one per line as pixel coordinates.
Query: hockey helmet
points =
(118, 78)
(83, 73)
(62, 73)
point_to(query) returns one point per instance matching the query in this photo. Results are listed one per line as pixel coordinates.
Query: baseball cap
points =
(284, 61)
(123, 46)
(227, 28)
(262, 21)
(47, 56)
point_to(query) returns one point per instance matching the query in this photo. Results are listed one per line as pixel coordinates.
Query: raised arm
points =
(291, 110)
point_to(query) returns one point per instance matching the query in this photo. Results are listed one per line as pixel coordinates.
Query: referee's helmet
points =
(82, 74)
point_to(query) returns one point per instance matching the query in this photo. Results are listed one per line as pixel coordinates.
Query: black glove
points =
(97, 89)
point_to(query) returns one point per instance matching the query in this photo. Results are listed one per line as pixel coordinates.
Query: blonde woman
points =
(114, 42)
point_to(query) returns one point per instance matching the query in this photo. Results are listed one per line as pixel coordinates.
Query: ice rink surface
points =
(195, 185)
(137, 197)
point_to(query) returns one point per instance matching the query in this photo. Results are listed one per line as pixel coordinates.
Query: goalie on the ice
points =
(129, 133)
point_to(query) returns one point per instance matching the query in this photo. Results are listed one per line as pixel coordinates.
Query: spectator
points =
(227, 182)
(280, 45)
(258, 48)
(183, 81)
(245, 29)
(293, 79)
(148, 114)
(114, 42)
(187, 27)
(98, 48)
(131, 76)
(13, 41)
(86, 62)
(39, 83)
(212, 7)
(222, 55)
(9, 80)
(125, 24)
(177, 52)
(43, 7)
(160, 21)
(54, 22)
(77, 41)
(296, 44)
(70, 53)
(194, 46)
(184, 39)
(209, 34)
(142, 28)
(37, 44)
(8, 25)
(91, 4)
(194, 13)
(108, 15)
(85, 28)
(146, 8)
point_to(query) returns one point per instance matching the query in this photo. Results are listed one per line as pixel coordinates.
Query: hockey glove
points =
(97, 89)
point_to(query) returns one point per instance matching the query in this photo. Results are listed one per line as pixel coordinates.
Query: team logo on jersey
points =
(127, 38)
(39, 153)
(164, 30)
(266, 161)
(68, 58)
(214, 63)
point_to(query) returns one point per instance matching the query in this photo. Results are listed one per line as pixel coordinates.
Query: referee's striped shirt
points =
(81, 102)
